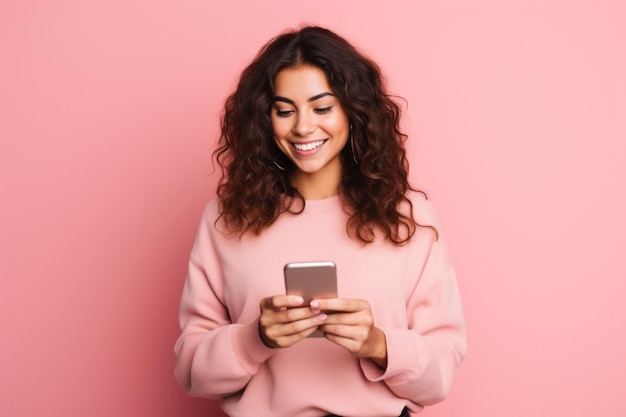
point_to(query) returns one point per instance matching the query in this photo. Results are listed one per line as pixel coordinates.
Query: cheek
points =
(340, 127)
(278, 127)
(339, 123)
(278, 134)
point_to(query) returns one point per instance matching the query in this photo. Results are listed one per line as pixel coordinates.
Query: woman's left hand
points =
(350, 324)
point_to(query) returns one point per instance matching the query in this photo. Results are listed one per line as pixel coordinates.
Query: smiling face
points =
(311, 128)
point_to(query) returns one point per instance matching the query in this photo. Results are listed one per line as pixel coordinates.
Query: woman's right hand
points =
(285, 320)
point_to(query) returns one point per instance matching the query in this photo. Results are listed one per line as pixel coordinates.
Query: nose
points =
(304, 125)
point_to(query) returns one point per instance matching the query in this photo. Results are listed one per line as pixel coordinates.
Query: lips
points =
(304, 147)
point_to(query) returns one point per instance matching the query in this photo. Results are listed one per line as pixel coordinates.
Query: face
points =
(309, 125)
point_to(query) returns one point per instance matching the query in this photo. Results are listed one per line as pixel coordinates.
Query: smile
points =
(308, 146)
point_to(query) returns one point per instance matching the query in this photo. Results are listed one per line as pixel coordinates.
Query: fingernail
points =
(298, 300)
(314, 304)
(322, 317)
(315, 311)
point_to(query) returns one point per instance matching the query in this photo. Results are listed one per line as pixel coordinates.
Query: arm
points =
(418, 361)
(214, 357)
(422, 361)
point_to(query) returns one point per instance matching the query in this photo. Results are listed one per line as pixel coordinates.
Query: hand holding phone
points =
(311, 280)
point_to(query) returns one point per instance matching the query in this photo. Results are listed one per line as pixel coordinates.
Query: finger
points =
(289, 315)
(307, 325)
(351, 345)
(347, 332)
(358, 319)
(299, 328)
(286, 341)
(339, 304)
(281, 301)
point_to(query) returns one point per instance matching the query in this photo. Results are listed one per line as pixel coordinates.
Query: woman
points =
(314, 168)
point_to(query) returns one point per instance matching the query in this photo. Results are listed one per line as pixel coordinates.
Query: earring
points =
(278, 166)
(352, 147)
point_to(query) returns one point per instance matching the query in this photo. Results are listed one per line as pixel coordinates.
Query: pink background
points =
(108, 116)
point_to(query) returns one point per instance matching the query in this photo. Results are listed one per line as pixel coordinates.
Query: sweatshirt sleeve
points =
(423, 360)
(214, 357)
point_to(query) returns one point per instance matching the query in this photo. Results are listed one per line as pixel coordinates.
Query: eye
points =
(323, 110)
(283, 113)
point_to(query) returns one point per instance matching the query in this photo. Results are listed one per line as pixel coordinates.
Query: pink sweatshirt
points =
(413, 295)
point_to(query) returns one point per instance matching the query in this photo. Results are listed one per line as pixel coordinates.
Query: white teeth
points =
(308, 146)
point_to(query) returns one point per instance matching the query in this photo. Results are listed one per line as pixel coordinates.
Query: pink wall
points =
(108, 117)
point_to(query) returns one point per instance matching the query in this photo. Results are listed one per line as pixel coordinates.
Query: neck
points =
(315, 187)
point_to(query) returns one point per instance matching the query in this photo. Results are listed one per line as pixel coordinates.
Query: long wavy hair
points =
(254, 189)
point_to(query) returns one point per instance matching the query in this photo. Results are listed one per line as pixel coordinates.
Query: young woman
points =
(314, 168)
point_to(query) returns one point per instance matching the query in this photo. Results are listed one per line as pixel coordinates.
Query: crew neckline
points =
(322, 206)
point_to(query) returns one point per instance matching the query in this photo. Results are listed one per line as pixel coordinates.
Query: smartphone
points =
(311, 280)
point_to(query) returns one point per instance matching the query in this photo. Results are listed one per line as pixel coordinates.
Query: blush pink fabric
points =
(412, 291)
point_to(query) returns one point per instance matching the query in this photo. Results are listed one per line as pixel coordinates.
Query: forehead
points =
(303, 81)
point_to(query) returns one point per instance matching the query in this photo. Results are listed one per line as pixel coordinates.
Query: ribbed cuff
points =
(401, 358)
(249, 347)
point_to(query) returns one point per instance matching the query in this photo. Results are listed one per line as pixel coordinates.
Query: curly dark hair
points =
(253, 191)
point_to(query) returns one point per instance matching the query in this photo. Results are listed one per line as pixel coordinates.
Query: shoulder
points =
(211, 210)
(211, 233)
(210, 218)
(423, 209)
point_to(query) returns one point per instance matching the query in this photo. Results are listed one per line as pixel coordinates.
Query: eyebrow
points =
(317, 97)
